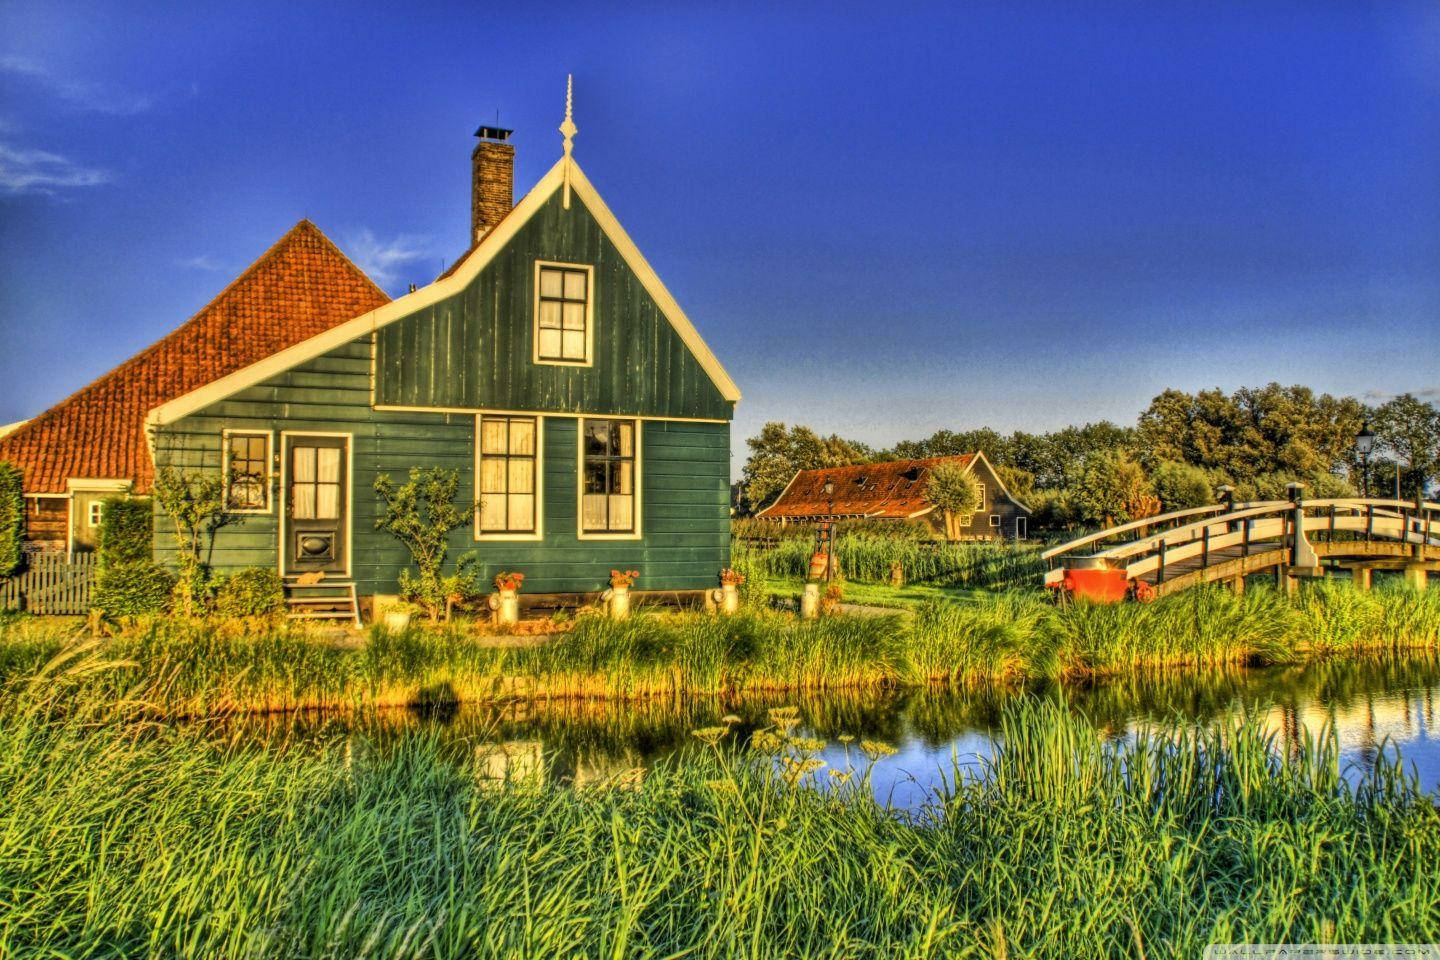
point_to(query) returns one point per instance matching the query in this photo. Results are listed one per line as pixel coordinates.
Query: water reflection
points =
(934, 731)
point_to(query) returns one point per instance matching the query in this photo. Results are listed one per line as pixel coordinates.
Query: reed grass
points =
(869, 558)
(121, 837)
(1001, 637)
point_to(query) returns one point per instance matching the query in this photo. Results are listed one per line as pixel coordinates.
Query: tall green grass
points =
(1009, 636)
(868, 558)
(120, 837)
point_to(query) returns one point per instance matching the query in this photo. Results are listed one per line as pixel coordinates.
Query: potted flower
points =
(618, 595)
(730, 581)
(507, 604)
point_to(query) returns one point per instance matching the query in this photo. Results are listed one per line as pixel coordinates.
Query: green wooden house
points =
(550, 367)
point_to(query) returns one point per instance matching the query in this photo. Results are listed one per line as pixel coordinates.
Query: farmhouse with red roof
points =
(93, 444)
(895, 490)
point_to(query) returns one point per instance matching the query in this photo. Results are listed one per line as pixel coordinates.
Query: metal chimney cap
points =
(487, 132)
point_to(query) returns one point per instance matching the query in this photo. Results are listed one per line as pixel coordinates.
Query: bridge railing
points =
(1247, 526)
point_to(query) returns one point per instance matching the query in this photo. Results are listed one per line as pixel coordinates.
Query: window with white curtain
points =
(247, 476)
(315, 486)
(607, 477)
(507, 482)
(562, 314)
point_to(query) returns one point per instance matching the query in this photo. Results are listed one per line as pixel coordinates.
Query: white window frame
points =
(639, 513)
(97, 512)
(269, 481)
(539, 532)
(981, 485)
(995, 521)
(589, 270)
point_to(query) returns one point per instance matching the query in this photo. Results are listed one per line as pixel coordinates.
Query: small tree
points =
(1114, 489)
(1179, 485)
(955, 493)
(421, 513)
(195, 504)
(12, 518)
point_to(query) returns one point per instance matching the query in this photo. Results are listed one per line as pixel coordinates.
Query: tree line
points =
(1180, 450)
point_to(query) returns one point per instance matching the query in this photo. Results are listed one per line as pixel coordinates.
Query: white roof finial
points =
(568, 128)
(568, 131)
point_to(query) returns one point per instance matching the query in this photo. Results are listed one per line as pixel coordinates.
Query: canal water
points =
(1373, 705)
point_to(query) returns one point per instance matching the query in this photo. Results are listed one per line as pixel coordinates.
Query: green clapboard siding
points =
(474, 350)
(684, 478)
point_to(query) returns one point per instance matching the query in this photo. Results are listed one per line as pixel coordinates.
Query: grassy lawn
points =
(883, 595)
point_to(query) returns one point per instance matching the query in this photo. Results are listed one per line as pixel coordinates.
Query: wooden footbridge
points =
(1224, 543)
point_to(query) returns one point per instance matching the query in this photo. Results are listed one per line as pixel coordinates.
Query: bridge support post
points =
(1284, 582)
(1363, 577)
(1237, 585)
(1416, 575)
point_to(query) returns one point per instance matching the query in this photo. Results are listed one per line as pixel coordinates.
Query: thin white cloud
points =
(24, 171)
(383, 259)
(202, 262)
(82, 94)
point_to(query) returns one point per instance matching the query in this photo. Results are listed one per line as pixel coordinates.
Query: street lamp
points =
(829, 489)
(1227, 496)
(1364, 443)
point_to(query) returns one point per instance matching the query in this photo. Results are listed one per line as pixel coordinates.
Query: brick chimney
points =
(492, 184)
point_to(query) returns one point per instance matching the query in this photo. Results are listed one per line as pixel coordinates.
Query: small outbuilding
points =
(895, 490)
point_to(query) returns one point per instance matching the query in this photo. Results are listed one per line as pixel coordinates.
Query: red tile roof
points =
(892, 489)
(300, 287)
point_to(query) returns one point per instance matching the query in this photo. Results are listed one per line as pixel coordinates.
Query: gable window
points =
(564, 327)
(247, 472)
(607, 477)
(508, 478)
(982, 495)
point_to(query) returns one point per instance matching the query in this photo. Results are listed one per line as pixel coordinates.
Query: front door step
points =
(325, 600)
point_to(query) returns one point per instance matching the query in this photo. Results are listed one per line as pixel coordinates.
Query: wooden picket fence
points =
(51, 583)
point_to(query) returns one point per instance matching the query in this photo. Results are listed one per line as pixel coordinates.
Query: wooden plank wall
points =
(684, 476)
(475, 349)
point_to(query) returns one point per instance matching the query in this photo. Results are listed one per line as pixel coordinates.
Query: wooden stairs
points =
(325, 600)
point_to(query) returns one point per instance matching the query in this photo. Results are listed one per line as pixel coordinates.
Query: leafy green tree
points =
(1252, 432)
(1409, 428)
(1179, 485)
(1020, 483)
(12, 518)
(955, 493)
(421, 513)
(195, 504)
(1113, 489)
(779, 452)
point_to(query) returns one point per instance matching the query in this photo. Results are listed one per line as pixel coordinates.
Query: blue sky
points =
(1019, 215)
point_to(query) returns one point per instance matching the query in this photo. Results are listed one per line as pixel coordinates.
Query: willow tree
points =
(955, 493)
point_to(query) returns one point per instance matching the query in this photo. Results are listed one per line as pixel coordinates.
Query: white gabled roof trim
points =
(10, 428)
(980, 455)
(478, 259)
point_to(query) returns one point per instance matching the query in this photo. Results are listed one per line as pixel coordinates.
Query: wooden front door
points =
(317, 504)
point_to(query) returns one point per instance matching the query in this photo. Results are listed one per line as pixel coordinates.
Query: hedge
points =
(127, 531)
(12, 518)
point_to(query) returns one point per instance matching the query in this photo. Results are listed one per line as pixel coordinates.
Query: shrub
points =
(127, 531)
(132, 589)
(12, 518)
(252, 592)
